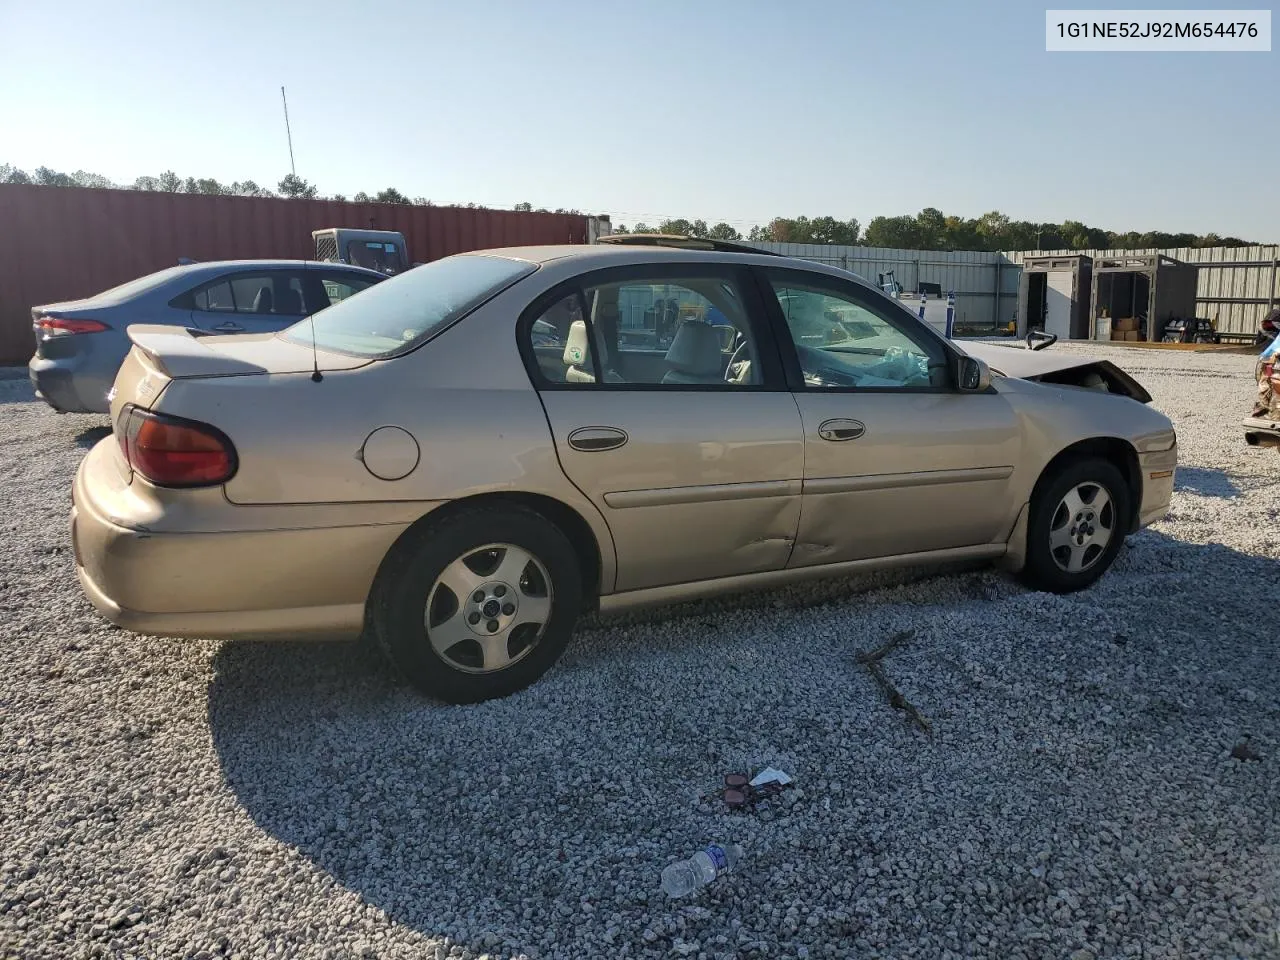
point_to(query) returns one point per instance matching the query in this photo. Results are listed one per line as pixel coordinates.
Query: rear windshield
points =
(139, 286)
(397, 314)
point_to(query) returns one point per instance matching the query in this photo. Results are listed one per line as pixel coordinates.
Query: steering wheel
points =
(740, 346)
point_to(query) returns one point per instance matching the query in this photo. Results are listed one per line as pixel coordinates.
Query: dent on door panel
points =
(706, 485)
(929, 472)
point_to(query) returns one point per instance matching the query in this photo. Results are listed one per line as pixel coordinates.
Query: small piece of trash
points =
(770, 775)
(1244, 750)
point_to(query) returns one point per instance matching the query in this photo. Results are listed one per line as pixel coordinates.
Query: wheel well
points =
(1112, 449)
(567, 519)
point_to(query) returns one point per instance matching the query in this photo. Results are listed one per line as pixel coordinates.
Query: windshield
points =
(139, 286)
(397, 314)
(375, 255)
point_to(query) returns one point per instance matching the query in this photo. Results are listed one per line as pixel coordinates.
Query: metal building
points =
(1053, 296)
(1147, 290)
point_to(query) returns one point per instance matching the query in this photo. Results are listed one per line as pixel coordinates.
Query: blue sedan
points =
(80, 344)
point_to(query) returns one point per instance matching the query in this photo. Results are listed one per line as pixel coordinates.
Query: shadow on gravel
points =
(91, 435)
(1206, 483)
(408, 803)
(16, 390)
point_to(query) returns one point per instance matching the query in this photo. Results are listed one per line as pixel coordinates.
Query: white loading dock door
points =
(1057, 306)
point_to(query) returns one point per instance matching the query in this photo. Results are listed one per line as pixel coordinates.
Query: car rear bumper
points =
(309, 583)
(1158, 468)
(1261, 432)
(62, 386)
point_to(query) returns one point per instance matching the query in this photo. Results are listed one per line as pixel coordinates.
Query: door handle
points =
(228, 326)
(596, 439)
(837, 430)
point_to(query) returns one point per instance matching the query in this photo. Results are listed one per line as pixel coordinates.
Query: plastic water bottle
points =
(681, 879)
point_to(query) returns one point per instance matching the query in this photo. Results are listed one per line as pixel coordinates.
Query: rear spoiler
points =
(178, 352)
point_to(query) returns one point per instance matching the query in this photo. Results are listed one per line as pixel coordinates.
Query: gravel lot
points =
(1078, 797)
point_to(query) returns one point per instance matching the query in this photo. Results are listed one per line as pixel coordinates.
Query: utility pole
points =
(292, 169)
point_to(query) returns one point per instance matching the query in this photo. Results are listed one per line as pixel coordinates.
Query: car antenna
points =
(315, 360)
(316, 377)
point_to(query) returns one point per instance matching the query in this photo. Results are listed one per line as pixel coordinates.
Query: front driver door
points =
(897, 461)
(694, 460)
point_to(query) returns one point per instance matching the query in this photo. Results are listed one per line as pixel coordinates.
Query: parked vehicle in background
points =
(381, 250)
(80, 344)
(1190, 330)
(1262, 426)
(468, 456)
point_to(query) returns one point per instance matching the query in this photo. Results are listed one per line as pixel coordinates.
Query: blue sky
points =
(733, 111)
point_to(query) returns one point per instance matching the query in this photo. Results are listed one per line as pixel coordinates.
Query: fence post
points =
(995, 309)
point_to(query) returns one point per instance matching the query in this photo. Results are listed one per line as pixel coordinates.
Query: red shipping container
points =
(62, 243)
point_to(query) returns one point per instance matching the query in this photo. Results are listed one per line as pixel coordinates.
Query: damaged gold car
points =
(464, 458)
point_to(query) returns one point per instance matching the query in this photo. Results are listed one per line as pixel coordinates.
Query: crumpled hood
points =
(1047, 366)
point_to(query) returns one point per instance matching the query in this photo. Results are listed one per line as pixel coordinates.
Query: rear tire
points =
(478, 604)
(1077, 524)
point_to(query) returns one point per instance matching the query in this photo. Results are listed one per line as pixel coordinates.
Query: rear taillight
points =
(1268, 324)
(66, 327)
(173, 452)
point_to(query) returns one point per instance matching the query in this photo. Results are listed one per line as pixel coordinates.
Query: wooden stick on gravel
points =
(896, 700)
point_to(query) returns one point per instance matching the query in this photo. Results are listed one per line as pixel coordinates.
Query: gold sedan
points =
(464, 458)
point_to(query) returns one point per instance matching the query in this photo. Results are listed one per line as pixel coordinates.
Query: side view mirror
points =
(975, 376)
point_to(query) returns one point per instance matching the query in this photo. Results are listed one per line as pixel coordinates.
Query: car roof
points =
(276, 265)
(591, 256)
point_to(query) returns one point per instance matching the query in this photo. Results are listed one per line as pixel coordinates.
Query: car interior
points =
(639, 333)
(696, 333)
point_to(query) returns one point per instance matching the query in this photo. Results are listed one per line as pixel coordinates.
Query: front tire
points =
(1077, 524)
(478, 604)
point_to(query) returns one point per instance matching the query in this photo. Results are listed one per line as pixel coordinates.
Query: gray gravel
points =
(1078, 797)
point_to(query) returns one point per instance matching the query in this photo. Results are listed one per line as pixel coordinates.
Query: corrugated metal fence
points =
(1237, 285)
(985, 284)
(61, 243)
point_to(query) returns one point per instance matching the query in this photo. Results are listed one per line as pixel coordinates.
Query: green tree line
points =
(291, 186)
(930, 229)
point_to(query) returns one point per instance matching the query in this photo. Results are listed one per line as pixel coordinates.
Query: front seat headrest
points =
(695, 351)
(262, 302)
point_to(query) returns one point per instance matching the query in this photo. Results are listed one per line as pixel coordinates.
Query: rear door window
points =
(279, 294)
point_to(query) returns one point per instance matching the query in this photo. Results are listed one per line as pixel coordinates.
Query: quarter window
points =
(216, 298)
(338, 288)
(845, 340)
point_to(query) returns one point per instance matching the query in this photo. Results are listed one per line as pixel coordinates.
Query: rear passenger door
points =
(687, 440)
(252, 302)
